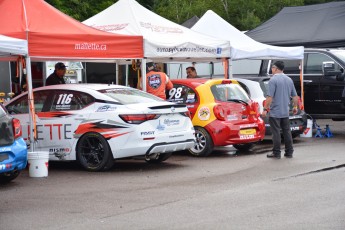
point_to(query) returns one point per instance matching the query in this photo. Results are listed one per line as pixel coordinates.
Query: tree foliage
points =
(243, 14)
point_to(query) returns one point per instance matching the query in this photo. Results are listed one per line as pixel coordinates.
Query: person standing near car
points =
(56, 77)
(280, 90)
(157, 82)
(191, 72)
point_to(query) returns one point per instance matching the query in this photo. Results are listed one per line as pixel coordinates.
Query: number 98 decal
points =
(175, 94)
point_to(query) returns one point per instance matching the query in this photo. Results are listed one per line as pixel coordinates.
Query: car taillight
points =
(300, 105)
(138, 118)
(186, 114)
(17, 128)
(255, 108)
(219, 112)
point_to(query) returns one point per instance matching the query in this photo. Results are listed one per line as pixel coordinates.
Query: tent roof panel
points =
(315, 26)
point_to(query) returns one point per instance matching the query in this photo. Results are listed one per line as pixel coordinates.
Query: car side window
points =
(21, 105)
(65, 100)
(182, 94)
(314, 63)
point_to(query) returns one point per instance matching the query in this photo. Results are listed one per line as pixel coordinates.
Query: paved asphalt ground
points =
(226, 190)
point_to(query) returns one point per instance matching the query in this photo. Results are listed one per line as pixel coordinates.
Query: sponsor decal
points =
(174, 136)
(232, 117)
(105, 108)
(171, 122)
(296, 128)
(59, 150)
(5, 166)
(160, 126)
(190, 106)
(90, 46)
(52, 132)
(155, 81)
(306, 131)
(196, 49)
(204, 113)
(147, 133)
(160, 29)
(248, 126)
(111, 27)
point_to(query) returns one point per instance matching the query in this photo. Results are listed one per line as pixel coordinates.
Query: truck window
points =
(314, 63)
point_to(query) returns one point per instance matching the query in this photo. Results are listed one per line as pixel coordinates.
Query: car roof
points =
(91, 89)
(82, 86)
(195, 82)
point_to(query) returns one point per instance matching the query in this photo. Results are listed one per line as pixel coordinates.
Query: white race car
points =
(97, 123)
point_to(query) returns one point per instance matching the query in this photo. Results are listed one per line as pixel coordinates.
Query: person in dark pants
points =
(280, 90)
(56, 78)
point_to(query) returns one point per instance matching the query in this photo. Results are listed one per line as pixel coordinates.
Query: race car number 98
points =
(175, 93)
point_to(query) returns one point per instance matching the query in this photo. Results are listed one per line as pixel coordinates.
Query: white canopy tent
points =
(242, 46)
(164, 41)
(12, 47)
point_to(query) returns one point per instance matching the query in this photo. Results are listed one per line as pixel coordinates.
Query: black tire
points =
(93, 153)
(162, 157)
(7, 177)
(244, 147)
(203, 145)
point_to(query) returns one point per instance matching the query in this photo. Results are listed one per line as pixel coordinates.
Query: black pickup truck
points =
(324, 84)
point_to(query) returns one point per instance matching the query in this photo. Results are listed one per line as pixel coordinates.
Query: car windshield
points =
(340, 54)
(130, 96)
(229, 92)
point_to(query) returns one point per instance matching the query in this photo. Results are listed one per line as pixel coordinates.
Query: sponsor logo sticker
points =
(204, 113)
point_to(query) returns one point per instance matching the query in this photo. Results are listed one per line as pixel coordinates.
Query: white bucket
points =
(308, 132)
(38, 164)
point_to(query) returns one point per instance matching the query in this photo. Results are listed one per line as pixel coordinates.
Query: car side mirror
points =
(328, 69)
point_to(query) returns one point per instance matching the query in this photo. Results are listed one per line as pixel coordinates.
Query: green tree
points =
(243, 14)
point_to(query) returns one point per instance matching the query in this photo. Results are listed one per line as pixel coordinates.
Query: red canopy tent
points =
(54, 35)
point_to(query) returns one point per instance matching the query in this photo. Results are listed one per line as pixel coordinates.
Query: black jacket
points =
(54, 79)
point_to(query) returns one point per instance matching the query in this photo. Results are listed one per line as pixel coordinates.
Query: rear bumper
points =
(228, 133)
(170, 147)
(298, 123)
(13, 157)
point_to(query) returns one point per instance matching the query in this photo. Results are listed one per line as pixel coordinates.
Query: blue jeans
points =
(284, 124)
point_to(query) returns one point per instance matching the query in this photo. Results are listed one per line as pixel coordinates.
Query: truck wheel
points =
(9, 176)
(93, 153)
(162, 157)
(244, 147)
(203, 145)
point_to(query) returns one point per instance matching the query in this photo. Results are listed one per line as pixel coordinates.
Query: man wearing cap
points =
(280, 91)
(157, 82)
(56, 78)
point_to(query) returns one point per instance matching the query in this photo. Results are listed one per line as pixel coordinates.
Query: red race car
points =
(222, 113)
